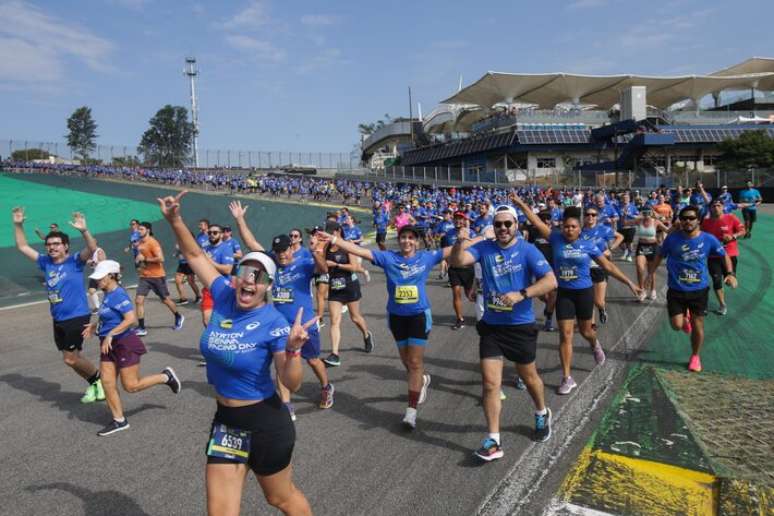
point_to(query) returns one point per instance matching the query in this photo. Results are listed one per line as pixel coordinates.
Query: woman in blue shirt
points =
(408, 307)
(251, 429)
(575, 298)
(120, 347)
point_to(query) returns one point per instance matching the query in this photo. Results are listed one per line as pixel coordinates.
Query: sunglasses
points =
(689, 218)
(53, 244)
(591, 214)
(503, 224)
(256, 274)
(213, 232)
(294, 236)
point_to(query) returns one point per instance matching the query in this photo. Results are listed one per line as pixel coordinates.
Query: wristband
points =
(293, 352)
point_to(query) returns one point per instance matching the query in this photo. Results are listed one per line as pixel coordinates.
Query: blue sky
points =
(299, 76)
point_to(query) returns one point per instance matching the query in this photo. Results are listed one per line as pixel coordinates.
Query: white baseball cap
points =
(104, 268)
(262, 258)
(504, 208)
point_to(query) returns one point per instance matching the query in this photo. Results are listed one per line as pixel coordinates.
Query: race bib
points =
(53, 297)
(282, 295)
(406, 294)
(338, 283)
(497, 303)
(229, 443)
(568, 273)
(689, 276)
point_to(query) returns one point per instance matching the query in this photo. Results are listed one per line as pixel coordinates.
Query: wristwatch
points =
(523, 293)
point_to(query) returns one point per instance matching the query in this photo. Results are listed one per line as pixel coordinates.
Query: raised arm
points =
(318, 254)
(199, 262)
(79, 223)
(21, 239)
(532, 217)
(347, 246)
(459, 257)
(238, 212)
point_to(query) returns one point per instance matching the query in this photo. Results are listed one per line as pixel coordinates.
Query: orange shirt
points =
(149, 247)
(664, 210)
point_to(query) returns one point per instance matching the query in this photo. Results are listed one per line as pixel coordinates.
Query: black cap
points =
(312, 231)
(227, 228)
(147, 225)
(332, 226)
(409, 227)
(280, 243)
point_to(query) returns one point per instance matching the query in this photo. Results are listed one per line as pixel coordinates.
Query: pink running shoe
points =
(694, 364)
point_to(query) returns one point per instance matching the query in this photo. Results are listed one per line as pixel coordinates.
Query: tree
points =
(753, 149)
(168, 140)
(369, 129)
(29, 154)
(82, 132)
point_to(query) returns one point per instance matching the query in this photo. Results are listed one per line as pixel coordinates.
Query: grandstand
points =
(510, 127)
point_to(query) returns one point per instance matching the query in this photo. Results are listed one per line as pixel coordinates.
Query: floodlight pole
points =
(192, 72)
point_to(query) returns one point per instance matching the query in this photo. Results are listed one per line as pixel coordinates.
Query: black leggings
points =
(716, 268)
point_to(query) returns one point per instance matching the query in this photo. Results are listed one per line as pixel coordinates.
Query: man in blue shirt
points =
(66, 294)
(222, 256)
(751, 198)
(381, 220)
(507, 328)
(686, 252)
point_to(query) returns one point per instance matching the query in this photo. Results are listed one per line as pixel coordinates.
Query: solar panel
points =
(553, 136)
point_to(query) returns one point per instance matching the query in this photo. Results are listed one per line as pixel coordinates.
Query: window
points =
(546, 163)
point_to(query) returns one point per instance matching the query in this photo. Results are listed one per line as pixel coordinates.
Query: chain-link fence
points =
(208, 158)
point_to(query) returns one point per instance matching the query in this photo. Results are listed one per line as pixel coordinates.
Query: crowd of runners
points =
(265, 304)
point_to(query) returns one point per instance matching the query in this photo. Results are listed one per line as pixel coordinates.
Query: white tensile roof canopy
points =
(549, 89)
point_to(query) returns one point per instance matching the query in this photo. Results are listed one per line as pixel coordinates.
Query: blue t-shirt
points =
(627, 213)
(572, 261)
(235, 245)
(222, 254)
(64, 282)
(607, 214)
(381, 219)
(443, 228)
(303, 253)
(481, 223)
(114, 305)
(600, 234)
(291, 289)
(406, 278)
(687, 260)
(203, 240)
(506, 270)
(239, 345)
(750, 196)
(352, 233)
(134, 241)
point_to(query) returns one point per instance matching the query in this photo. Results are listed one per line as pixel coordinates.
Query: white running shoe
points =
(410, 419)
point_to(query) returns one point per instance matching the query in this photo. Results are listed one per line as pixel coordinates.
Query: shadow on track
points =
(108, 503)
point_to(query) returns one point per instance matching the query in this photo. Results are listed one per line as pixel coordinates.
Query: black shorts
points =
(272, 438)
(157, 285)
(598, 275)
(749, 215)
(649, 251)
(348, 294)
(321, 279)
(67, 333)
(695, 301)
(517, 343)
(461, 277)
(381, 237)
(575, 304)
(411, 329)
(628, 234)
(717, 270)
(185, 268)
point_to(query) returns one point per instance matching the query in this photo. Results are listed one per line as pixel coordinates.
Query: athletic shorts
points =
(411, 330)
(461, 277)
(598, 275)
(67, 333)
(311, 348)
(716, 267)
(185, 268)
(628, 234)
(321, 279)
(381, 237)
(649, 251)
(124, 351)
(272, 434)
(517, 343)
(349, 294)
(749, 215)
(695, 301)
(93, 284)
(575, 304)
(207, 302)
(157, 285)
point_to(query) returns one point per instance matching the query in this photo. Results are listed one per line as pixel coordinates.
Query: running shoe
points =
(549, 325)
(624, 256)
(141, 332)
(459, 324)
(543, 426)
(368, 342)
(182, 301)
(519, 383)
(694, 364)
(653, 295)
(567, 385)
(642, 296)
(179, 320)
(599, 353)
(344, 309)
(326, 396)
(333, 360)
(489, 450)
(722, 310)
(197, 300)
(172, 380)
(425, 385)
(114, 427)
(90, 396)
(602, 316)
(629, 258)
(503, 397)
(99, 391)
(410, 419)
(292, 410)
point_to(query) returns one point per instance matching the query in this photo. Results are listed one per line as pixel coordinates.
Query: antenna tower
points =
(192, 73)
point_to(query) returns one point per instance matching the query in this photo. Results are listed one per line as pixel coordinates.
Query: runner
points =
(647, 228)
(686, 252)
(726, 228)
(408, 308)
(549, 299)
(64, 283)
(627, 213)
(185, 274)
(251, 428)
(461, 279)
(508, 328)
(150, 267)
(601, 235)
(381, 218)
(751, 198)
(575, 298)
(222, 256)
(440, 231)
(120, 348)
